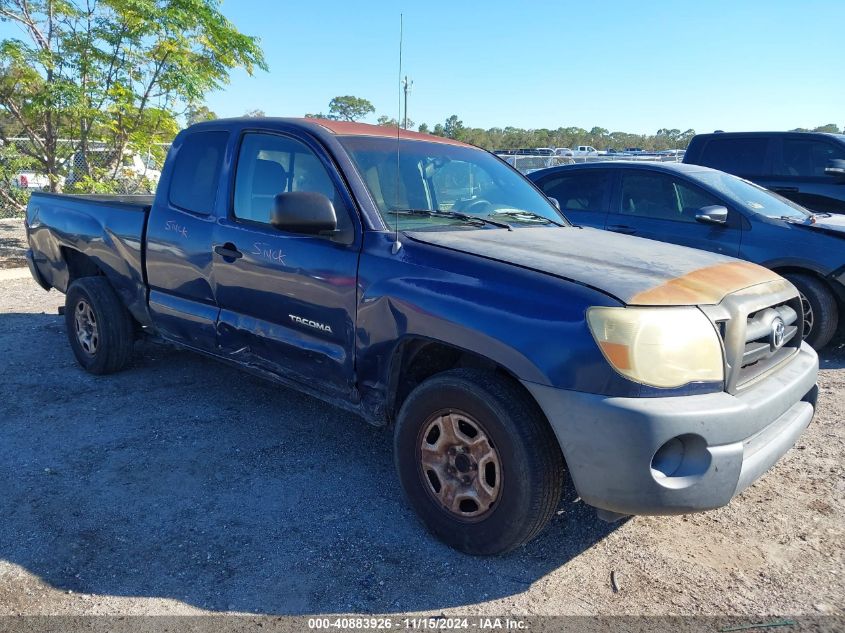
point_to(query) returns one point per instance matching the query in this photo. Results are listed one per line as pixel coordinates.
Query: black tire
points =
(532, 468)
(825, 312)
(110, 350)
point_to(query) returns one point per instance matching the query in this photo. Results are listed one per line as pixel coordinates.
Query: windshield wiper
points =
(515, 213)
(465, 217)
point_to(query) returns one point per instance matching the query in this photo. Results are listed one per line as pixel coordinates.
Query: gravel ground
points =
(181, 486)
(12, 243)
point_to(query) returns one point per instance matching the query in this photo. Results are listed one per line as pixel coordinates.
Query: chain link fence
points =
(99, 168)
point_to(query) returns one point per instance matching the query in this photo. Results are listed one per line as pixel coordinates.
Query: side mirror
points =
(836, 168)
(715, 214)
(305, 212)
(555, 202)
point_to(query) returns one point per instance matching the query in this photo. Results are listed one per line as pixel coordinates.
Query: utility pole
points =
(406, 86)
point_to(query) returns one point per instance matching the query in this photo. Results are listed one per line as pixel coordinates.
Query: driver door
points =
(287, 300)
(661, 207)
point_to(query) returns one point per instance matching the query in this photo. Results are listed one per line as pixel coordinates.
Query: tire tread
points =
(529, 423)
(114, 320)
(827, 310)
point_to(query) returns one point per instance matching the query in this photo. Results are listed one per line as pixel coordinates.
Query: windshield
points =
(753, 197)
(437, 177)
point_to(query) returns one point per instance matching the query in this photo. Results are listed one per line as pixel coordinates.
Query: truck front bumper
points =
(679, 454)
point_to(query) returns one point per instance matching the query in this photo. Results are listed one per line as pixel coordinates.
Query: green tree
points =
(12, 198)
(105, 65)
(197, 113)
(391, 122)
(349, 108)
(453, 126)
(423, 128)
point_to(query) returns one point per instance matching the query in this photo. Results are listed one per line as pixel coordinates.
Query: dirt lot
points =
(12, 243)
(183, 486)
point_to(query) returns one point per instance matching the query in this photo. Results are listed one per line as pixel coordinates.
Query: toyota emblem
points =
(778, 332)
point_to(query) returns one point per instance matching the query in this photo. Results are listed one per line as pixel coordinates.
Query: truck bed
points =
(123, 202)
(108, 229)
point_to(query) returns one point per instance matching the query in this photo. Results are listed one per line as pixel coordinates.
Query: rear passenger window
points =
(196, 172)
(808, 158)
(579, 192)
(741, 156)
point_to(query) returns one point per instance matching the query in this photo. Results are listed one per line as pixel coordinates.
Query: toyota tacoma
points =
(427, 286)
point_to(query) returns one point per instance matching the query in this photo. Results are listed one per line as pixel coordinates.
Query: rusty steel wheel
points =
(459, 464)
(85, 322)
(477, 460)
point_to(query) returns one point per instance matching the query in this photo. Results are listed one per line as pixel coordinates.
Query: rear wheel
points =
(820, 312)
(98, 326)
(477, 461)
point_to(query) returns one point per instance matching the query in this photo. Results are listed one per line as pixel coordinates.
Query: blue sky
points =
(631, 66)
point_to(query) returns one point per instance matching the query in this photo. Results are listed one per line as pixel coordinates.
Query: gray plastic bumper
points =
(679, 454)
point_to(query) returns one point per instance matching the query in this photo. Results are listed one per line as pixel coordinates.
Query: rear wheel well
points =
(418, 359)
(78, 265)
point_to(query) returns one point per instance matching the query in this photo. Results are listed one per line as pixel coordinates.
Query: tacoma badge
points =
(312, 324)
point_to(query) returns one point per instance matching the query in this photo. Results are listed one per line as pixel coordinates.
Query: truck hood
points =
(636, 271)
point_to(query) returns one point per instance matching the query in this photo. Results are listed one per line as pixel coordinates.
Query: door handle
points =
(622, 228)
(228, 251)
(785, 189)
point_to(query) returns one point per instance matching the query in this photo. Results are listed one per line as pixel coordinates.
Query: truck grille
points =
(747, 320)
(760, 352)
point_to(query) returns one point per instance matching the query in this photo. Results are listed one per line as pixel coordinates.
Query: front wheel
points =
(818, 305)
(477, 461)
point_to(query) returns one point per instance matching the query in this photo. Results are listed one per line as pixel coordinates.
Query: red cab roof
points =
(350, 128)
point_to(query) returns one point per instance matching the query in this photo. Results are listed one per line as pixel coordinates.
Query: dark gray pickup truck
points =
(425, 284)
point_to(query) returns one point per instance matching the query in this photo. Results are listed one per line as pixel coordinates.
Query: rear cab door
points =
(799, 171)
(179, 236)
(583, 194)
(287, 301)
(663, 206)
(747, 156)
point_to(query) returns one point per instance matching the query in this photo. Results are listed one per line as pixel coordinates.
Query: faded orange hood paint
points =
(707, 285)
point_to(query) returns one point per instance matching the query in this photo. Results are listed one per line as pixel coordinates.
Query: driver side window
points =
(269, 165)
(692, 200)
(661, 197)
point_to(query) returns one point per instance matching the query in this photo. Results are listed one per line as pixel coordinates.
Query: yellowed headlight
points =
(660, 347)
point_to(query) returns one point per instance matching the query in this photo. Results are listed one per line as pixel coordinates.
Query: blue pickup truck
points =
(428, 286)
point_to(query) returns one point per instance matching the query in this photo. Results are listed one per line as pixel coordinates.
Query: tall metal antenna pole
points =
(396, 243)
(406, 87)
